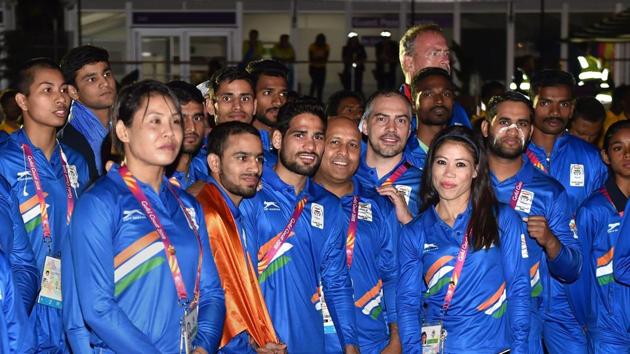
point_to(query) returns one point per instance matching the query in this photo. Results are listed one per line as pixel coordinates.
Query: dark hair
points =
(266, 67)
(369, 104)
(185, 92)
(508, 96)
(26, 73)
(589, 109)
(617, 97)
(550, 78)
(425, 73)
(298, 106)
(80, 56)
(220, 134)
(612, 130)
(335, 99)
(228, 74)
(131, 99)
(488, 87)
(483, 228)
(6, 96)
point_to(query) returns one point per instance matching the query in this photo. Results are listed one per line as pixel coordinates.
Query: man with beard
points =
(235, 160)
(384, 168)
(371, 227)
(271, 87)
(233, 96)
(553, 254)
(295, 238)
(432, 90)
(92, 87)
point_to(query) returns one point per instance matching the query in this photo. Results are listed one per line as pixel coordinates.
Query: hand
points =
(394, 346)
(272, 348)
(351, 349)
(539, 230)
(200, 350)
(398, 199)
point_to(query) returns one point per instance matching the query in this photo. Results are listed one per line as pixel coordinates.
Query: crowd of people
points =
(238, 217)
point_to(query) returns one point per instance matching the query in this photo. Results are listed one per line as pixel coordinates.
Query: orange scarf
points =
(245, 307)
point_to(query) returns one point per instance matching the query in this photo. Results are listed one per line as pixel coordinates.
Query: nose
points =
(278, 100)
(236, 106)
(189, 126)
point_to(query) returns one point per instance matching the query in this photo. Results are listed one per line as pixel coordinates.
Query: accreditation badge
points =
(50, 293)
(405, 191)
(73, 176)
(189, 329)
(524, 202)
(576, 176)
(432, 337)
(329, 325)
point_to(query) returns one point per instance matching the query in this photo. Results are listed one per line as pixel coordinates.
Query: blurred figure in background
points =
(386, 62)
(252, 48)
(318, 53)
(353, 56)
(284, 53)
(348, 104)
(10, 111)
(588, 119)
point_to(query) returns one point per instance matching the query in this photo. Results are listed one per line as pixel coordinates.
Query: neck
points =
(183, 162)
(260, 125)
(504, 168)
(624, 185)
(42, 137)
(296, 180)
(448, 210)
(383, 165)
(235, 198)
(426, 133)
(339, 189)
(545, 140)
(147, 174)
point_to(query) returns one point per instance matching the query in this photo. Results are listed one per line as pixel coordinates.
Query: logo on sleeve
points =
(24, 176)
(576, 176)
(270, 205)
(365, 211)
(133, 214)
(428, 247)
(317, 215)
(614, 227)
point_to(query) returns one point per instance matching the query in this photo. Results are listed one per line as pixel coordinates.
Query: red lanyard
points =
(461, 257)
(169, 249)
(396, 174)
(607, 195)
(515, 194)
(352, 230)
(284, 235)
(39, 190)
(535, 161)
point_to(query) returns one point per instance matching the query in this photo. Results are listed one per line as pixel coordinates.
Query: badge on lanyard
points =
(432, 337)
(524, 202)
(317, 215)
(576, 175)
(405, 190)
(50, 293)
(365, 211)
(189, 329)
(329, 325)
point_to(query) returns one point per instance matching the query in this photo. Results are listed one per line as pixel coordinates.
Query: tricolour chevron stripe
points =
(534, 280)
(437, 275)
(32, 213)
(496, 305)
(262, 264)
(604, 270)
(137, 260)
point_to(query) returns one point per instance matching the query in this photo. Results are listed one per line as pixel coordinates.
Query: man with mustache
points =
(295, 238)
(189, 167)
(92, 87)
(371, 227)
(233, 96)
(384, 168)
(553, 254)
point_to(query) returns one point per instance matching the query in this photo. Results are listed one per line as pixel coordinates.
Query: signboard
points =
(392, 20)
(184, 18)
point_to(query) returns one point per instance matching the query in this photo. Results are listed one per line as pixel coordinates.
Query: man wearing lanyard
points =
(189, 166)
(294, 231)
(554, 256)
(372, 228)
(383, 167)
(46, 177)
(92, 87)
(235, 158)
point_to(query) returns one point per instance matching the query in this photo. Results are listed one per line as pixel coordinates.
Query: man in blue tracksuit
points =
(185, 174)
(578, 167)
(46, 177)
(384, 169)
(371, 230)
(542, 203)
(295, 229)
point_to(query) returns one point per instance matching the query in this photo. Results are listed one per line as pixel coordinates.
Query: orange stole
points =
(245, 307)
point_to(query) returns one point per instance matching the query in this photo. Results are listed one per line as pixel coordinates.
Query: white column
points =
(131, 40)
(237, 43)
(509, 58)
(564, 35)
(457, 35)
(9, 15)
(71, 18)
(621, 69)
(348, 18)
(294, 38)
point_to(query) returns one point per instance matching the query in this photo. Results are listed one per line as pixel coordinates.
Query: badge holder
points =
(329, 325)
(188, 329)
(433, 336)
(50, 293)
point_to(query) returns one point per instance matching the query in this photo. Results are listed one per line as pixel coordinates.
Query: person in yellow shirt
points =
(10, 111)
(619, 108)
(252, 49)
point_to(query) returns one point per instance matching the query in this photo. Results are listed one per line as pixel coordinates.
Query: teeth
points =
(340, 163)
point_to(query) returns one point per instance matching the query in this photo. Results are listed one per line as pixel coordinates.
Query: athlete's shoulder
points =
(105, 189)
(546, 182)
(507, 217)
(597, 200)
(579, 146)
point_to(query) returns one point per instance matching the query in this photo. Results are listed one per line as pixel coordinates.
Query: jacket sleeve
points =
(514, 251)
(621, 257)
(388, 263)
(336, 283)
(13, 313)
(211, 297)
(568, 263)
(588, 225)
(92, 248)
(410, 286)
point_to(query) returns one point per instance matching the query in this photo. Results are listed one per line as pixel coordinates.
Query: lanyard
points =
(284, 235)
(515, 194)
(396, 174)
(535, 161)
(461, 257)
(352, 230)
(169, 249)
(607, 195)
(39, 191)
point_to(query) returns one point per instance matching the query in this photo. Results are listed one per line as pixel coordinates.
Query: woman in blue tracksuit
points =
(482, 301)
(143, 265)
(599, 226)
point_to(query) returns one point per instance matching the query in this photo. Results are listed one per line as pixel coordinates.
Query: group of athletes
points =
(128, 225)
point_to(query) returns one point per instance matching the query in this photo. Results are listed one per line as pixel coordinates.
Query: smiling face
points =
(47, 103)
(508, 131)
(95, 86)
(618, 154)
(554, 107)
(388, 126)
(452, 172)
(342, 151)
(155, 134)
(300, 148)
(234, 101)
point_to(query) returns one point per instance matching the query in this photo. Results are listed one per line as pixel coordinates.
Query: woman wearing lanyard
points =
(144, 269)
(462, 270)
(599, 226)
